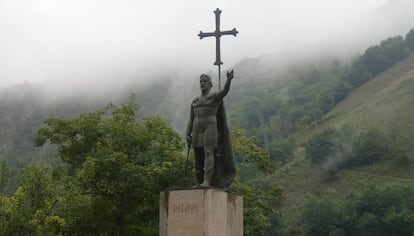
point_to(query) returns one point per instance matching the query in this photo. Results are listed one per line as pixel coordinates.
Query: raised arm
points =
(226, 88)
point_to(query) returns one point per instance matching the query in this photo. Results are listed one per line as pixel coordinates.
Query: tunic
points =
(204, 132)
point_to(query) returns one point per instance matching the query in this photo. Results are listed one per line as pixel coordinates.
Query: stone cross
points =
(218, 35)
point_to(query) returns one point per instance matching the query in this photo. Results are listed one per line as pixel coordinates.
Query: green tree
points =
(4, 176)
(320, 146)
(260, 204)
(381, 210)
(32, 209)
(121, 162)
(377, 59)
(385, 210)
(369, 147)
(114, 163)
(248, 152)
(409, 39)
(253, 112)
(262, 200)
(322, 216)
(400, 148)
(281, 150)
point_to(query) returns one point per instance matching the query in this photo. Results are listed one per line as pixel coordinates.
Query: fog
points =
(75, 44)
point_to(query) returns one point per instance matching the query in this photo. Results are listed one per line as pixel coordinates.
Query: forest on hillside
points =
(276, 110)
(97, 169)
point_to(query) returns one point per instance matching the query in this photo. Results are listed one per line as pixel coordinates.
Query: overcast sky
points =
(84, 41)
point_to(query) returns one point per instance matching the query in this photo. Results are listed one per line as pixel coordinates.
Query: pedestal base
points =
(200, 212)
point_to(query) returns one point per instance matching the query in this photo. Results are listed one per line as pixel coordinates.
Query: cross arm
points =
(233, 32)
(203, 35)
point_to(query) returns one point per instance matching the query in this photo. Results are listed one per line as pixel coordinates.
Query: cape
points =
(224, 167)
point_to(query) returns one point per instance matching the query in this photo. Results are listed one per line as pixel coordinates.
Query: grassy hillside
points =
(387, 103)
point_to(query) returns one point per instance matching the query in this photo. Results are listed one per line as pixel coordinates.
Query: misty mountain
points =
(24, 107)
(284, 102)
(271, 98)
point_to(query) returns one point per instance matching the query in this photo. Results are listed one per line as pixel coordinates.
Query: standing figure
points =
(208, 134)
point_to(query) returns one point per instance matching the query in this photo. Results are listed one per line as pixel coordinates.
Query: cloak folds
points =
(224, 167)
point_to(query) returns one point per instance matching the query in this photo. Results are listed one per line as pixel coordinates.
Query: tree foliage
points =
(282, 150)
(32, 209)
(320, 146)
(4, 176)
(113, 165)
(333, 149)
(262, 200)
(323, 216)
(299, 98)
(283, 107)
(377, 59)
(382, 210)
(409, 39)
(369, 147)
(248, 152)
(119, 161)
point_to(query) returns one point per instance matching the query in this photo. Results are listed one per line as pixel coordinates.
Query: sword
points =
(187, 161)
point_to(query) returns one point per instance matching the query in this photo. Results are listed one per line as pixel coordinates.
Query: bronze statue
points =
(208, 134)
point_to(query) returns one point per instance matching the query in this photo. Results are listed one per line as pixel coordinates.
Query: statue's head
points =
(205, 79)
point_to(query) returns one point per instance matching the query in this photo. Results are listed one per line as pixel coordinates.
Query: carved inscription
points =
(184, 208)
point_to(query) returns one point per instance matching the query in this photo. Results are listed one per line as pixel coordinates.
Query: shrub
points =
(320, 146)
(368, 147)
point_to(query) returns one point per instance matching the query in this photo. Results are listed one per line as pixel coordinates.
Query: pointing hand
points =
(230, 75)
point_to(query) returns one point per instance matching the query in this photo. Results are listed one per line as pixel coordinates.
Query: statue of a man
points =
(208, 134)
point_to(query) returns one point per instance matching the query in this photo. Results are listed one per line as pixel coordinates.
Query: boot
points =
(208, 174)
(199, 178)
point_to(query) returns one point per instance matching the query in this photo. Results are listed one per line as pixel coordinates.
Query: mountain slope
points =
(386, 102)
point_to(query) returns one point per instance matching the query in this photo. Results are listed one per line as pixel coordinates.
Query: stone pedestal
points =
(200, 212)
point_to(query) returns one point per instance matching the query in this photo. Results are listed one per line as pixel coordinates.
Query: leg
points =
(199, 164)
(210, 140)
(208, 166)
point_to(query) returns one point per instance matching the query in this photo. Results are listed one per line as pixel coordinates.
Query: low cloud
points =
(105, 44)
